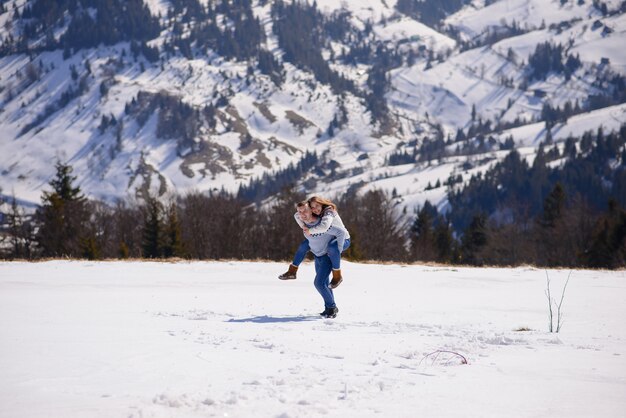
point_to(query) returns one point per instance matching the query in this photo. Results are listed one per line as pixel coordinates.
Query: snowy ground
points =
(114, 339)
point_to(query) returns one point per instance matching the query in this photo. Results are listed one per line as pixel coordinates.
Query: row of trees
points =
(200, 226)
(270, 185)
(299, 28)
(195, 26)
(549, 58)
(430, 12)
(513, 187)
(227, 27)
(566, 232)
(114, 21)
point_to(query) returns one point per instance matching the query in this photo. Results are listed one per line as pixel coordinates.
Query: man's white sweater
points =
(322, 232)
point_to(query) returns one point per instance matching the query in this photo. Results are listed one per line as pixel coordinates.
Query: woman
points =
(327, 211)
(307, 220)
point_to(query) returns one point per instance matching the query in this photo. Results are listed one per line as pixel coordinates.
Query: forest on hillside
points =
(196, 30)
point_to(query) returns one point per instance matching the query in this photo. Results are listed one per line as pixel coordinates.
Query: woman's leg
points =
(334, 254)
(322, 278)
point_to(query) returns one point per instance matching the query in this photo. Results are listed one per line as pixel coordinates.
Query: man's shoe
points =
(289, 274)
(330, 312)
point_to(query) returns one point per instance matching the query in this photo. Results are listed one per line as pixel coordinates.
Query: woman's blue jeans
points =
(323, 267)
(333, 252)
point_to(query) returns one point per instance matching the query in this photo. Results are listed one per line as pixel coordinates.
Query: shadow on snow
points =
(264, 319)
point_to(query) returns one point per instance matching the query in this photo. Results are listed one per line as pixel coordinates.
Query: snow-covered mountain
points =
(191, 118)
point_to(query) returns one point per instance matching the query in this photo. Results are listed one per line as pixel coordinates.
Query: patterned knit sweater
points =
(329, 225)
(318, 242)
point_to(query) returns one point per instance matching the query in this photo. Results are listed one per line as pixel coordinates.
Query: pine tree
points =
(152, 229)
(608, 246)
(552, 232)
(63, 216)
(474, 239)
(90, 249)
(444, 242)
(173, 243)
(553, 206)
(537, 180)
(422, 234)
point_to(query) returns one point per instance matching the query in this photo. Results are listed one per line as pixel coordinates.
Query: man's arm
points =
(296, 216)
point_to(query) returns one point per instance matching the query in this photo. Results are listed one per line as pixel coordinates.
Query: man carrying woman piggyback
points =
(326, 237)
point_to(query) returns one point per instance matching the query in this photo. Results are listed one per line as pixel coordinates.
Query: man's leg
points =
(323, 268)
(301, 252)
(291, 272)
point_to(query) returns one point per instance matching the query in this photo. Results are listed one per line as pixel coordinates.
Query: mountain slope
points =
(133, 121)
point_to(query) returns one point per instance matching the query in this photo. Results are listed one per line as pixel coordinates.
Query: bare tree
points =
(212, 225)
(553, 304)
(373, 218)
(20, 232)
(127, 234)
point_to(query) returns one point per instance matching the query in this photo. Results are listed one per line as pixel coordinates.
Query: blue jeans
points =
(323, 267)
(301, 252)
(335, 254)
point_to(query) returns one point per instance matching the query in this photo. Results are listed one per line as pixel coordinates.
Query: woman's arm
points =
(325, 222)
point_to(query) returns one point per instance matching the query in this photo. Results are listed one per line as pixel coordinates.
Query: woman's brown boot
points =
(337, 279)
(290, 274)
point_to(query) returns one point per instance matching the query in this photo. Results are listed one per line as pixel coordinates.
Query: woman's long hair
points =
(324, 202)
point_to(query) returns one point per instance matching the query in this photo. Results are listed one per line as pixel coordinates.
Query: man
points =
(318, 245)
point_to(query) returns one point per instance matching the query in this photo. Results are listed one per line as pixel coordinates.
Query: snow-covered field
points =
(139, 339)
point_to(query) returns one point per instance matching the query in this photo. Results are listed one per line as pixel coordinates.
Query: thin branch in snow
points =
(559, 316)
(550, 316)
(435, 355)
(344, 396)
